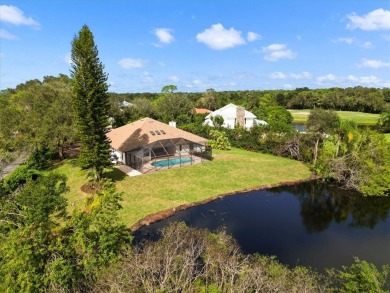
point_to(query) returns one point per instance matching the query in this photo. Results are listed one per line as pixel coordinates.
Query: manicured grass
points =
(230, 171)
(300, 116)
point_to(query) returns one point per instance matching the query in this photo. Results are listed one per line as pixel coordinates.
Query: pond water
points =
(299, 127)
(308, 224)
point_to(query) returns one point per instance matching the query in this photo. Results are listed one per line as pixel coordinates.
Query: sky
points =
(225, 45)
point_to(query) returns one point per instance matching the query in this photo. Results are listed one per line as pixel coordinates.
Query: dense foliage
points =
(90, 103)
(36, 115)
(42, 248)
(191, 260)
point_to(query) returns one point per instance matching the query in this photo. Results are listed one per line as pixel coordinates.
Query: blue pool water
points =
(166, 163)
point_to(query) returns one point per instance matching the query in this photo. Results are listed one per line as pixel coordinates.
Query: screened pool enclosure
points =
(167, 153)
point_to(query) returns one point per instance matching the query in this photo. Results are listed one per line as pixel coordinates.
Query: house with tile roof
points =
(150, 144)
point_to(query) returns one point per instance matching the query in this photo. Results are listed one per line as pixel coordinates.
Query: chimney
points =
(172, 123)
(240, 116)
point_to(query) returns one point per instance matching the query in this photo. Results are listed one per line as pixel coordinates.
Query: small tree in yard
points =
(321, 122)
(90, 103)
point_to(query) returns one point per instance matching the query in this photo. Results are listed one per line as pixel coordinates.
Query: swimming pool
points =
(171, 162)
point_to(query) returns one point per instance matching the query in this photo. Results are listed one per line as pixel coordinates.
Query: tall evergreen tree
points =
(90, 103)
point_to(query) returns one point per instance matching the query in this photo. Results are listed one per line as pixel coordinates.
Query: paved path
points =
(128, 170)
(12, 166)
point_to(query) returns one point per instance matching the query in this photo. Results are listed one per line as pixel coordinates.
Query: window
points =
(158, 132)
(152, 133)
(162, 131)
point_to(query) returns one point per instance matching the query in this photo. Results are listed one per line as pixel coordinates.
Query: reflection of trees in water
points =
(323, 203)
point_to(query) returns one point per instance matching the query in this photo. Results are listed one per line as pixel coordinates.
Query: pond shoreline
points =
(162, 215)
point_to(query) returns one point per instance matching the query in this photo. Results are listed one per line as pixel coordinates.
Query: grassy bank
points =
(230, 171)
(300, 116)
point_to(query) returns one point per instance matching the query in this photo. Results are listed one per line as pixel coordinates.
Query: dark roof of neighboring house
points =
(146, 131)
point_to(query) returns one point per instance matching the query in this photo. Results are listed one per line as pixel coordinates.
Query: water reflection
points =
(321, 204)
(311, 224)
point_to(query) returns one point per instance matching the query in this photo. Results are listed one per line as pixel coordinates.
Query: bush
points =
(192, 260)
(361, 276)
(19, 177)
(219, 140)
(39, 158)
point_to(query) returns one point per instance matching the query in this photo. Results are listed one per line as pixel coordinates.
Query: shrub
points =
(19, 177)
(219, 140)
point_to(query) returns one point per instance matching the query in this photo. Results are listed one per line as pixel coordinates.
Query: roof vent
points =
(172, 123)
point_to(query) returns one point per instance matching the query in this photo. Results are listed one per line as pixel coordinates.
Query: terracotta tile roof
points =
(202, 111)
(140, 133)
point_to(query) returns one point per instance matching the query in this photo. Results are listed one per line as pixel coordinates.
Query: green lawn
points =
(300, 116)
(230, 171)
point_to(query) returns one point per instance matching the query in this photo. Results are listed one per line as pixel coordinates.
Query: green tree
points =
(142, 107)
(170, 88)
(90, 103)
(321, 123)
(29, 218)
(217, 121)
(361, 276)
(42, 249)
(384, 122)
(170, 105)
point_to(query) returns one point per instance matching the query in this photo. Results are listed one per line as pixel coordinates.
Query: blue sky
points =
(196, 45)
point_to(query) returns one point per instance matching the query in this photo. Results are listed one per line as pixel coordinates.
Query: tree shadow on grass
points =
(115, 175)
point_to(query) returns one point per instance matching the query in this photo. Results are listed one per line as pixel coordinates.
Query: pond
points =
(299, 127)
(310, 224)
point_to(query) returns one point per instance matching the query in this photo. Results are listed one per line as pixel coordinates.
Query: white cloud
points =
(352, 79)
(274, 47)
(128, 63)
(174, 78)
(287, 86)
(367, 45)
(4, 34)
(302, 75)
(373, 63)
(281, 75)
(275, 52)
(348, 41)
(251, 37)
(351, 41)
(164, 35)
(15, 16)
(230, 84)
(197, 82)
(218, 38)
(328, 77)
(386, 37)
(278, 75)
(363, 79)
(147, 78)
(68, 59)
(378, 19)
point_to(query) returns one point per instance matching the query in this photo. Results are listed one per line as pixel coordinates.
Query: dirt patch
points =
(71, 151)
(90, 188)
(167, 213)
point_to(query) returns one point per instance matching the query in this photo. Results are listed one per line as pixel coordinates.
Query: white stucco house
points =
(234, 115)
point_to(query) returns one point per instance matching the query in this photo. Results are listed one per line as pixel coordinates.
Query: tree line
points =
(44, 247)
(359, 99)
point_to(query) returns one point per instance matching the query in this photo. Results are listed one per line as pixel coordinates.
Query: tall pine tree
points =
(90, 103)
